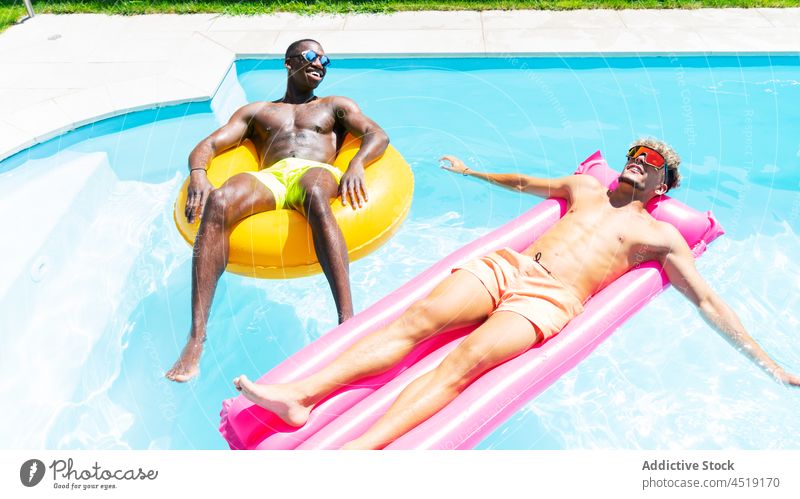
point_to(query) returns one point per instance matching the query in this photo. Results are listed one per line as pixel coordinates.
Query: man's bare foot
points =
(188, 364)
(278, 399)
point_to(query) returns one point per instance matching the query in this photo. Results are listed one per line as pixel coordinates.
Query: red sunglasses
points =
(651, 157)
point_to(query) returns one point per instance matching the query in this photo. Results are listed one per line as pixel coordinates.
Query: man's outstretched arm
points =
(682, 273)
(229, 135)
(374, 142)
(561, 187)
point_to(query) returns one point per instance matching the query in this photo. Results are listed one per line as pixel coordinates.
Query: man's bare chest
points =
(283, 120)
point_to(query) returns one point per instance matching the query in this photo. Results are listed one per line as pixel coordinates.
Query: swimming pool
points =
(100, 308)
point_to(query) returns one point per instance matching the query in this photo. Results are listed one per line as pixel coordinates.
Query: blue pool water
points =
(106, 302)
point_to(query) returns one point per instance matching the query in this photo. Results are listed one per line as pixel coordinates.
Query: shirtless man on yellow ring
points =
(297, 137)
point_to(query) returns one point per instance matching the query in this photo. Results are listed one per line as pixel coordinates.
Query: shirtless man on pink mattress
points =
(522, 299)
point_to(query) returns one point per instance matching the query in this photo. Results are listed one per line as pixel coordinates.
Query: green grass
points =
(13, 10)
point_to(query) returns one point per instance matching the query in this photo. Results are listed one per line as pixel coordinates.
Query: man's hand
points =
(352, 187)
(197, 193)
(456, 165)
(788, 379)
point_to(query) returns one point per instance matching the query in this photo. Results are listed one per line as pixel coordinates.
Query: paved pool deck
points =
(58, 72)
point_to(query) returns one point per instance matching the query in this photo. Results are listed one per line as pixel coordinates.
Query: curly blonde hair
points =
(670, 156)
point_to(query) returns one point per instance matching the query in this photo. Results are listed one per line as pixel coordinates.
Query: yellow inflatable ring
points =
(278, 244)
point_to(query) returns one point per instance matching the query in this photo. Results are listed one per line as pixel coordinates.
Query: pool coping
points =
(59, 72)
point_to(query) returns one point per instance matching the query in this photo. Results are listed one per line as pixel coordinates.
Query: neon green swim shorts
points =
(283, 180)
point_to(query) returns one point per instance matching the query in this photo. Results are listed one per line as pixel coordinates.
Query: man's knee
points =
(216, 206)
(320, 187)
(225, 206)
(318, 197)
(423, 318)
(317, 202)
(462, 365)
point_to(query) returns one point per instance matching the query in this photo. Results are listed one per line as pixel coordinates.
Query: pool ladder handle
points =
(29, 8)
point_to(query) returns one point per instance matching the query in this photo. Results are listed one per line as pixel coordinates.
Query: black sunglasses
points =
(311, 56)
